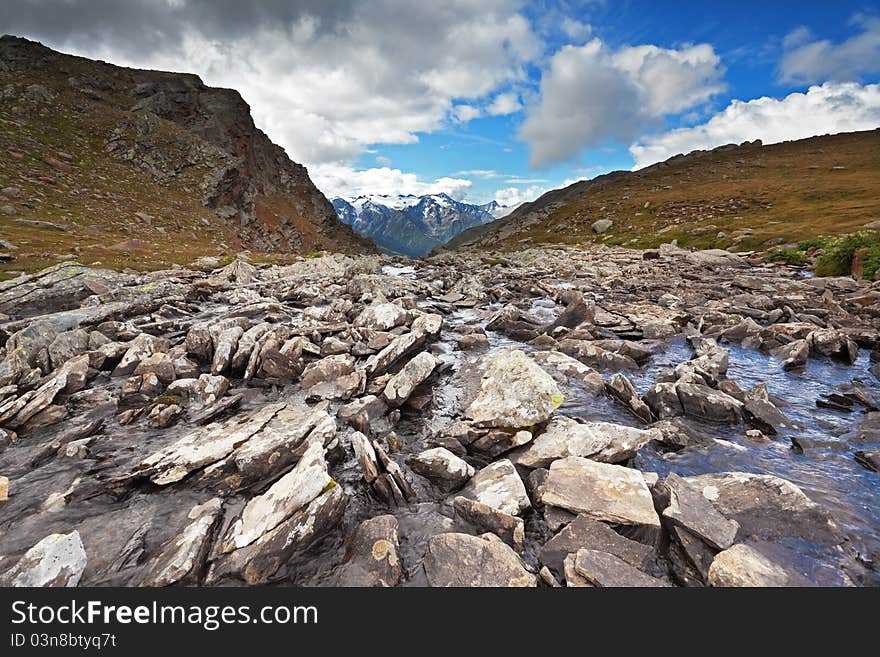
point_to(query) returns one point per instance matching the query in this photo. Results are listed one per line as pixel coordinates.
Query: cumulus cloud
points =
(323, 78)
(504, 104)
(513, 196)
(806, 60)
(827, 109)
(592, 93)
(465, 113)
(576, 29)
(339, 180)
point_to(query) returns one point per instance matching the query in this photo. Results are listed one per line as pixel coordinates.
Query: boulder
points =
(606, 570)
(415, 372)
(514, 392)
(601, 441)
(286, 496)
(584, 532)
(383, 317)
(767, 507)
(705, 403)
(569, 371)
(499, 486)
(689, 509)
(484, 518)
(611, 493)
(461, 560)
(56, 561)
(441, 466)
(372, 555)
(182, 558)
(793, 355)
(743, 566)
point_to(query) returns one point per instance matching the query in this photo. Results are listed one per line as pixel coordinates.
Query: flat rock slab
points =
(688, 508)
(462, 560)
(606, 570)
(584, 532)
(602, 491)
(743, 566)
(514, 393)
(767, 507)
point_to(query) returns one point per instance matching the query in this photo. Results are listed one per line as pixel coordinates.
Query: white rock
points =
(58, 561)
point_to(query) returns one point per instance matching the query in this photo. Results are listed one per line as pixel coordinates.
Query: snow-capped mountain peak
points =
(410, 224)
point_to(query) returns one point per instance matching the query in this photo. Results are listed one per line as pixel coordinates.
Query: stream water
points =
(826, 470)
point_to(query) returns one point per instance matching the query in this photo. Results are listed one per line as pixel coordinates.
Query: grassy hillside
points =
(746, 197)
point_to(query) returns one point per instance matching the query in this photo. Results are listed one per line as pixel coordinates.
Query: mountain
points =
(747, 196)
(111, 155)
(413, 225)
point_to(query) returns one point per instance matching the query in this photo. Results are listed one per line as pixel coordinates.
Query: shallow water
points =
(828, 473)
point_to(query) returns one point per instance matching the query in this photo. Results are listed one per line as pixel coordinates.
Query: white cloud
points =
(323, 79)
(576, 29)
(513, 196)
(827, 109)
(591, 94)
(384, 161)
(465, 113)
(339, 180)
(805, 61)
(504, 104)
(479, 173)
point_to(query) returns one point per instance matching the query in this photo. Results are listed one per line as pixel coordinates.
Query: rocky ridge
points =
(97, 151)
(555, 417)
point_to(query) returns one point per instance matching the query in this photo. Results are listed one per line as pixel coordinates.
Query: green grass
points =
(837, 256)
(789, 255)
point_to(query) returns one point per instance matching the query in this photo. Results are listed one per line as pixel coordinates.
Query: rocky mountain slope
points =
(413, 225)
(743, 197)
(591, 416)
(125, 166)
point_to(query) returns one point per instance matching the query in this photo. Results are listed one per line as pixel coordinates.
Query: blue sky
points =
(496, 98)
(747, 37)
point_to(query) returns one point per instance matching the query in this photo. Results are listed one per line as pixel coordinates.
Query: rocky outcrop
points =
(171, 124)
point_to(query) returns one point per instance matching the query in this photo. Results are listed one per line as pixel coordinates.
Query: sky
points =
(495, 99)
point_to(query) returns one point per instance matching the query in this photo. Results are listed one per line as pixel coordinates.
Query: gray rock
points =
(601, 226)
(372, 555)
(564, 437)
(705, 403)
(461, 560)
(514, 393)
(567, 370)
(604, 492)
(286, 496)
(606, 570)
(689, 509)
(182, 559)
(414, 373)
(442, 466)
(484, 518)
(584, 532)
(793, 355)
(499, 486)
(743, 566)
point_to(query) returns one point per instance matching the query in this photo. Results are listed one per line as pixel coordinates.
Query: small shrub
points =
(836, 257)
(789, 256)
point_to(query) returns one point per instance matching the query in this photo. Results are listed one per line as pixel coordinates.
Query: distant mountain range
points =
(413, 225)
